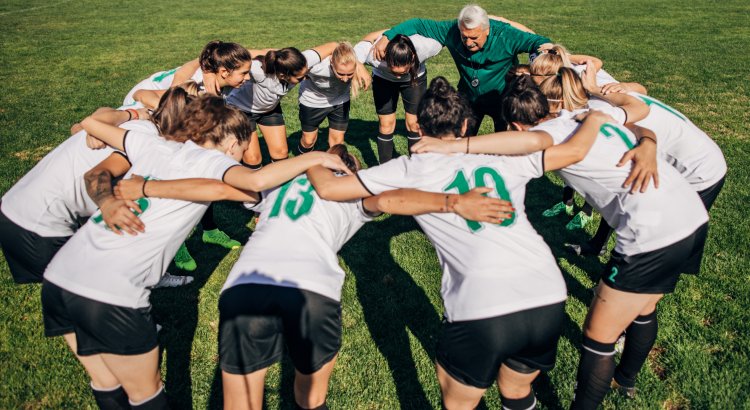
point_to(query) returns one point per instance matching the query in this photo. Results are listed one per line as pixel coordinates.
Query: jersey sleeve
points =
(426, 47)
(394, 174)
(527, 165)
(437, 30)
(138, 143)
(617, 113)
(322, 69)
(362, 214)
(259, 206)
(215, 166)
(555, 130)
(312, 57)
(362, 50)
(256, 71)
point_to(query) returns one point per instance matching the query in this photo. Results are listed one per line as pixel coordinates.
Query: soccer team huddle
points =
(186, 137)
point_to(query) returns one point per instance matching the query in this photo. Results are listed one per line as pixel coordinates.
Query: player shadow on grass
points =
(177, 309)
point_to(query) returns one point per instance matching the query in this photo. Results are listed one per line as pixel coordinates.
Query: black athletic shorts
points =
(311, 117)
(657, 271)
(385, 93)
(273, 118)
(495, 111)
(99, 327)
(27, 253)
(709, 195)
(472, 351)
(255, 321)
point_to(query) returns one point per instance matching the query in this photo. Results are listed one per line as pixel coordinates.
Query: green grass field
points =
(63, 59)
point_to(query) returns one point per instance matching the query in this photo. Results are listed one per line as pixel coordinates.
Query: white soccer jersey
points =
(297, 239)
(262, 94)
(120, 269)
(323, 88)
(159, 81)
(644, 221)
(602, 77)
(50, 198)
(488, 270)
(682, 144)
(426, 48)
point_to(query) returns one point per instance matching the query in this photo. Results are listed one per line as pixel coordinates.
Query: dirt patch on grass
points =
(653, 359)
(35, 154)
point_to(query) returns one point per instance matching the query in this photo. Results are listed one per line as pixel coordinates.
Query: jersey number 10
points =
(480, 175)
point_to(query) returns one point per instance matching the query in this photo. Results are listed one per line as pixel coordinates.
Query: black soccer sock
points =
(526, 403)
(277, 159)
(442, 406)
(568, 195)
(321, 407)
(253, 166)
(587, 209)
(303, 150)
(156, 402)
(385, 147)
(207, 221)
(413, 138)
(639, 340)
(600, 239)
(111, 399)
(595, 373)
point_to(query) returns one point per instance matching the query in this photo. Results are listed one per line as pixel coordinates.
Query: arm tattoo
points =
(99, 186)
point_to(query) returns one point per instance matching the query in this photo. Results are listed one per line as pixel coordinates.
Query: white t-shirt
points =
(262, 94)
(50, 198)
(297, 239)
(323, 88)
(425, 47)
(683, 145)
(644, 221)
(488, 270)
(159, 81)
(120, 269)
(602, 77)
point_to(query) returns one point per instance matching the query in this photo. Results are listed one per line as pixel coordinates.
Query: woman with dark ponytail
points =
(271, 78)
(401, 72)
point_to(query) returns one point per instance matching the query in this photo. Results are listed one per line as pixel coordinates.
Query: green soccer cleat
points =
(627, 392)
(578, 221)
(183, 260)
(559, 208)
(220, 238)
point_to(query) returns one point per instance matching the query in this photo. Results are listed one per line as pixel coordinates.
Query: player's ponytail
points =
(515, 71)
(550, 62)
(208, 120)
(565, 91)
(524, 103)
(287, 62)
(443, 110)
(347, 157)
(401, 52)
(344, 54)
(171, 104)
(217, 54)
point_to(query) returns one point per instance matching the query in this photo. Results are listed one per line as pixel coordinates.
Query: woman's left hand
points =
(130, 189)
(334, 162)
(94, 143)
(429, 144)
(644, 166)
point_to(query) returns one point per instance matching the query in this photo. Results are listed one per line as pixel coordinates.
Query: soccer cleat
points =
(158, 328)
(183, 260)
(585, 249)
(578, 221)
(620, 343)
(220, 238)
(628, 392)
(171, 281)
(559, 208)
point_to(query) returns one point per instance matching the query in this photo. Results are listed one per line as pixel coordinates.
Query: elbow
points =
(324, 191)
(221, 191)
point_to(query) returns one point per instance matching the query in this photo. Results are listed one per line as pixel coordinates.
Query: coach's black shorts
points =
(311, 117)
(494, 110)
(657, 271)
(99, 327)
(472, 351)
(27, 253)
(385, 93)
(255, 321)
(708, 195)
(273, 118)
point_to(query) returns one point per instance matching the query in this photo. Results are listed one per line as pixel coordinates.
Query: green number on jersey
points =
(462, 185)
(653, 101)
(291, 209)
(610, 131)
(164, 75)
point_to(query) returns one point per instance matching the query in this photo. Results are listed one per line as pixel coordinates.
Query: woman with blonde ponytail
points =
(326, 94)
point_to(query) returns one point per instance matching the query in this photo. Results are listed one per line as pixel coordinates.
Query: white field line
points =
(34, 8)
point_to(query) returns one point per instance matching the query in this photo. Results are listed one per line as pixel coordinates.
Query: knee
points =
(279, 152)
(411, 122)
(252, 158)
(388, 125)
(143, 391)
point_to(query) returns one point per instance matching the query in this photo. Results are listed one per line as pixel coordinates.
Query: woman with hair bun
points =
(503, 319)
(401, 72)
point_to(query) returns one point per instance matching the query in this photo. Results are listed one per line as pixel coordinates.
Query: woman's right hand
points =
(211, 84)
(429, 144)
(94, 143)
(334, 163)
(130, 189)
(588, 78)
(475, 206)
(117, 214)
(378, 49)
(594, 115)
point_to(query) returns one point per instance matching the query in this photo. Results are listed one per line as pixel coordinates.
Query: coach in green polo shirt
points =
(483, 51)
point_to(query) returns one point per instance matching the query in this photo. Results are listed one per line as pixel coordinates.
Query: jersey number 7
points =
(480, 180)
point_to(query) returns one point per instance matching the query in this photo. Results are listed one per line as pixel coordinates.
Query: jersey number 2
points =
(293, 209)
(480, 174)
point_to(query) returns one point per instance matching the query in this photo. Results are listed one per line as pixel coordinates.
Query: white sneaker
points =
(170, 281)
(158, 328)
